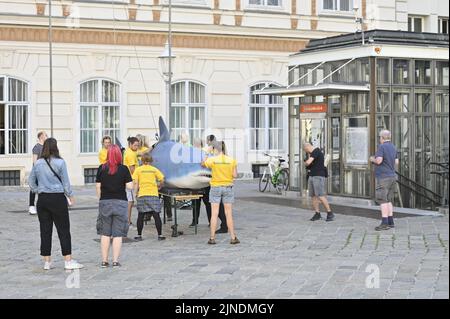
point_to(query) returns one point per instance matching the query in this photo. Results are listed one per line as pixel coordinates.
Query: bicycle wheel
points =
(263, 182)
(283, 181)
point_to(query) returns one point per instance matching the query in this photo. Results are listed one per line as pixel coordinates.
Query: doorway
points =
(313, 130)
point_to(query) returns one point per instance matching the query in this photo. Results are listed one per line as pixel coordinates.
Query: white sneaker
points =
(72, 264)
(32, 210)
(48, 265)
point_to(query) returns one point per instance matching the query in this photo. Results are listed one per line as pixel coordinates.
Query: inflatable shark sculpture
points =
(181, 165)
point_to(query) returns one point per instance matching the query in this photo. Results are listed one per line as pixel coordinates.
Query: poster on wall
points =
(356, 148)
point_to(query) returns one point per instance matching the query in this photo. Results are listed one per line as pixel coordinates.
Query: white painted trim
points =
(28, 103)
(122, 107)
(187, 105)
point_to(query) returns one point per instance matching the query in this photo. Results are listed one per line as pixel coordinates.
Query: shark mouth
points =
(196, 180)
(203, 174)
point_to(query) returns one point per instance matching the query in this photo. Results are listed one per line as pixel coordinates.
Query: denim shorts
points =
(316, 186)
(112, 220)
(223, 194)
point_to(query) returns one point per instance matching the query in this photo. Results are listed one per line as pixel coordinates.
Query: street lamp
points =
(166, 65)
(359, 21)
(166, 58)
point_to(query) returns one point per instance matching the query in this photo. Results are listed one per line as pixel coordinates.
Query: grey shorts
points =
(385, 189)
(317, 186)
(130, 195)
(112, 218)
(221, 194)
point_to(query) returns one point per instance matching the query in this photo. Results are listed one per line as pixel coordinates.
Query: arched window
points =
(266, 120)
(187, 114)
(99, 113)
(14, 104)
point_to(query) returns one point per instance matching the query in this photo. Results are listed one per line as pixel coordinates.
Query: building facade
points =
(108, 78)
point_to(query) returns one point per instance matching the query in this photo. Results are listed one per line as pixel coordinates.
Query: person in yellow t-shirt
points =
(130, 160)
(103, 154)
(223, 171)
(143, 147)
(146, 178)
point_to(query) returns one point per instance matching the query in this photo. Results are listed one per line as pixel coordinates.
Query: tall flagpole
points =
(50, 39)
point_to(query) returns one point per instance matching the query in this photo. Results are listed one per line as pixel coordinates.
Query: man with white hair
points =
(385, 161)
(317, 181)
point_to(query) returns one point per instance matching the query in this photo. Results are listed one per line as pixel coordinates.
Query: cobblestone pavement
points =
(282, 255)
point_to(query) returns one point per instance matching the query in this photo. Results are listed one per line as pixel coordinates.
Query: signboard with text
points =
(313, 108)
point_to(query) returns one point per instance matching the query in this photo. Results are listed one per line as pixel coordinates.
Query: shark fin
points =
(163, 131)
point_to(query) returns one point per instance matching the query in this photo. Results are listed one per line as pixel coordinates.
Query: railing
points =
(432, 199)
(443, 173)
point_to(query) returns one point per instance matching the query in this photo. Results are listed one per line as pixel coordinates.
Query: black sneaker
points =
(330, 217)
(316, 216)
(192, 225)
(391, 226)
(116, 264)
(211, 241)
(161, 238)
(222, 231)
(104, 264)
(382, 227)
(138, 238)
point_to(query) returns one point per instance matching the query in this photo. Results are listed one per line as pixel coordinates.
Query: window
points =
(188, 111)
(443, 25)
(90, 175)
(14, 106)
(383, 68)
(442, 73)
(99, 113)
(423, 72)
(338, 5)
(186, 2)
(415, 24)
(401, 72)
(9, 178)
(266, 3)
(266, 120)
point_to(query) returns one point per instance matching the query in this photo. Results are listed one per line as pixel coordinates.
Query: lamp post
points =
(166, 65)
(359, 21)
(50, 40)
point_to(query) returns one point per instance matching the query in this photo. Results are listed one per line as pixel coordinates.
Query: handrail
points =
(432, 200)
(418, 185)
(420, 190)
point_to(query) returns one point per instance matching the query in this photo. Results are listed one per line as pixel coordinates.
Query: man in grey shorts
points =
(317, 178)
(385, 161)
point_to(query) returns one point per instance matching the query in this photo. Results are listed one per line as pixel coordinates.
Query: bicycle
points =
(277, 173)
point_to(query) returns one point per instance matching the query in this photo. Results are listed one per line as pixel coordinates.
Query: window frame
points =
(265, 5)
(441, 21)
(99, 104)
(7, 103)
(337, 10)
(412, 24)
(187, 105)
(267, 108)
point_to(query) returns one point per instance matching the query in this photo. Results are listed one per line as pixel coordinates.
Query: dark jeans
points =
(52, 209)
(156, 217)
(205, 199)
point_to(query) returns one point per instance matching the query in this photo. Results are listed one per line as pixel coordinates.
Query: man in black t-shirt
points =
(317, 181)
